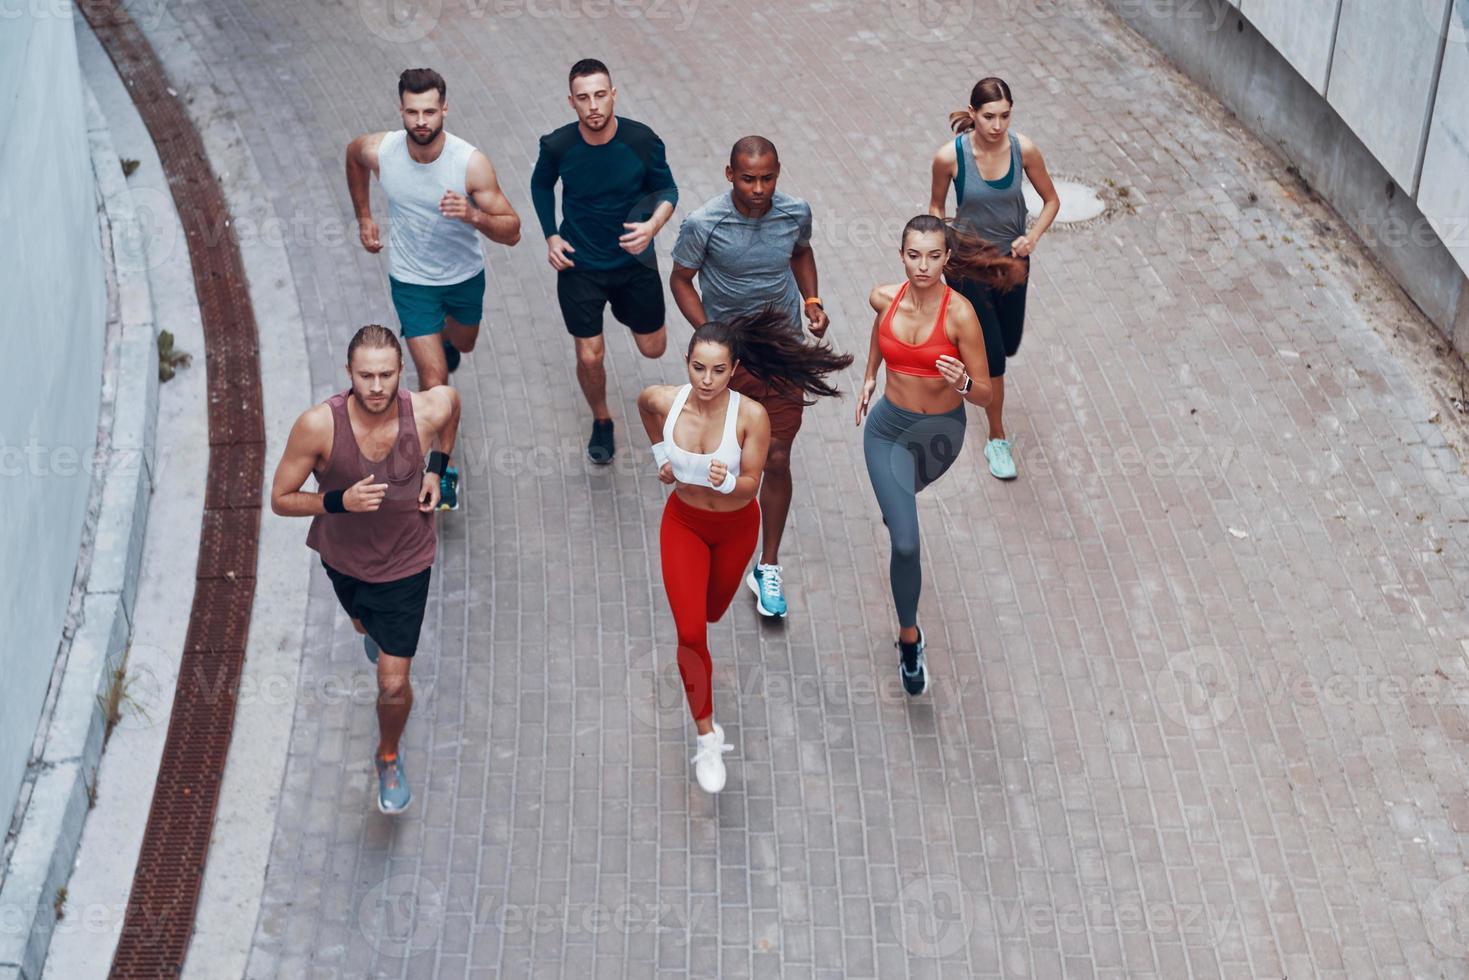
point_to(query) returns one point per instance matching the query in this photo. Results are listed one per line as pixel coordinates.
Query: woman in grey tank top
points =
(985, 163)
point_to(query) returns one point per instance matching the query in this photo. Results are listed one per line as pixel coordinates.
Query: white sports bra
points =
(693, 468)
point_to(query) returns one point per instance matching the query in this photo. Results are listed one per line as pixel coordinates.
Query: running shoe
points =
(1002, 462)
(600, 448)
(449, 489)
(451, 355)
(912, 665)
(393, 795)
(709, 760)
(764, 581)
(370, 647)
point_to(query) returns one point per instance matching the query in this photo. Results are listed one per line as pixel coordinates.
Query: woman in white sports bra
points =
(710, 443)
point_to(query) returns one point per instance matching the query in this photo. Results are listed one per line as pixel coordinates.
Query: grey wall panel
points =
(1382, 77)
(1301, 30)
(52, 329)
(1443, 191)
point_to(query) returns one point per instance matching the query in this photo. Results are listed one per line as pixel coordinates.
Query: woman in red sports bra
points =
(931, 340)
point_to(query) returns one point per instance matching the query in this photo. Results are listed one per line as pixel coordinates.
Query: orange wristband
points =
(813, 299)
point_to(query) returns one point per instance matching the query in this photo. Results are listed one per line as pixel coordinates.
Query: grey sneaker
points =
(370, 647)
(393, 795)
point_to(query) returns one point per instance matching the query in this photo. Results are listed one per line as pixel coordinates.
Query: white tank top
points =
(424, 247)
(693, 468)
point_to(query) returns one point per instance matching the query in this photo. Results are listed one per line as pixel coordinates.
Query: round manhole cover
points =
(1081, 204)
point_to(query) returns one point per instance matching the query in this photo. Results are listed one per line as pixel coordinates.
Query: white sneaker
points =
(709, 760)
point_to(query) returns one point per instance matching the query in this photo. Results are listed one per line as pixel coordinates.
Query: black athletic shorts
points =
(1001, 317)
(635, 292)
(392, 612)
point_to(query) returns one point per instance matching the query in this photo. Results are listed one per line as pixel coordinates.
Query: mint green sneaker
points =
(393, 795)
(1002, 463)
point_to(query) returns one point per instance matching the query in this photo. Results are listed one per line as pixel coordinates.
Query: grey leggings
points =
(906, 451)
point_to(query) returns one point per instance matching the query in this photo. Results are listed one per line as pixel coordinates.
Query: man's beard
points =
(389, 403)
(423, 140)
(597, 127)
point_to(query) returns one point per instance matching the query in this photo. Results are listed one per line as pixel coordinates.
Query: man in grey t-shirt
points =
(751, 248)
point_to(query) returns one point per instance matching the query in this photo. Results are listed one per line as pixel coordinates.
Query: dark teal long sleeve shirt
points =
(602, 187)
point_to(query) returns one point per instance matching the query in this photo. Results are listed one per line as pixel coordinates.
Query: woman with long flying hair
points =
(984, 162)
(709, 443)
(930, 338)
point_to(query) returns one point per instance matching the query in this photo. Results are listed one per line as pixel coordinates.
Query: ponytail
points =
(769, 349)
(985, 90)
(970, 256)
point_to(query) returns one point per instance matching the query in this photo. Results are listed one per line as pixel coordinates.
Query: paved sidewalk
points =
(1199, 673)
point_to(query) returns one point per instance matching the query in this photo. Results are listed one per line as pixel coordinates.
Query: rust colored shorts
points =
(783, 405)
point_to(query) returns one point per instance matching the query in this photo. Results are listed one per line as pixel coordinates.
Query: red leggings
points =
(705, 555)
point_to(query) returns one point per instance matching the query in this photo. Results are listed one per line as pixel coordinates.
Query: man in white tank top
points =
(442, 195)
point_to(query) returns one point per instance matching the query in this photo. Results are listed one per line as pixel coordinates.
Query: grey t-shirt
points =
(745, 263)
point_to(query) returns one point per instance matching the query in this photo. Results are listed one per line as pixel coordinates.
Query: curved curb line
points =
(65, 766)
(159, 921)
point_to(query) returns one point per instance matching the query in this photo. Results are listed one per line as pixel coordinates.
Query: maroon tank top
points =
(396, 540)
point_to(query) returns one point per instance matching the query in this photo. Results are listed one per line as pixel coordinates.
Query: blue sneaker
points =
(449, 489)
(764, 581)
(913, 666)
(1002, 462)
(370, 647)
(393, 795)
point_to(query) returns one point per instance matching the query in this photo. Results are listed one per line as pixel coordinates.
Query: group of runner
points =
(744, 276)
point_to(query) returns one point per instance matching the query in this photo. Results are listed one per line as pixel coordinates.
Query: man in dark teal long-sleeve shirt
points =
(616, 193)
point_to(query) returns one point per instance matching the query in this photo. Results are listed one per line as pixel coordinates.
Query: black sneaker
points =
(912, 666)
(451, 354)
(600, 447)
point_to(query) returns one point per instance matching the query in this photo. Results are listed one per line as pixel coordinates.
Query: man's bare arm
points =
(686, 295)
(309, 441)
(361, 165)
(492, 214)
(445, 399)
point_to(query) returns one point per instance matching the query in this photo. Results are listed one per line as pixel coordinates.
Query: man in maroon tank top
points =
(373, 517)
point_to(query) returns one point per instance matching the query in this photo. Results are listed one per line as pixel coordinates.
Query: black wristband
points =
(437, 462)
(332, 501)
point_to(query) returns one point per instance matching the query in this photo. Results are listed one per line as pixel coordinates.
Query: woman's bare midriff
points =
(928, 396)
(707, 498)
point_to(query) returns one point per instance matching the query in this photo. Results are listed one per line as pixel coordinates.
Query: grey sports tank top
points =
(994, 210)
(424, 247)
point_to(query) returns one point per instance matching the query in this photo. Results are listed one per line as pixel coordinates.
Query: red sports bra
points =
(915, 359)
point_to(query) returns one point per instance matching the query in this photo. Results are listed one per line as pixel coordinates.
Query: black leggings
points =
(1001, 316)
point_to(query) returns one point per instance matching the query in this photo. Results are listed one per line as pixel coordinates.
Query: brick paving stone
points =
(1153, 746)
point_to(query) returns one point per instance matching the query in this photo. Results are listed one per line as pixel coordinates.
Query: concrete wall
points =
(1304, 31)
(1368, 98)
(1384, 76)
(1443, 187)
(54, 324)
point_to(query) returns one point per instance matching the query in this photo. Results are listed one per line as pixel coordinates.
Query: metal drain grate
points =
(160, 915)
(1082, 204)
